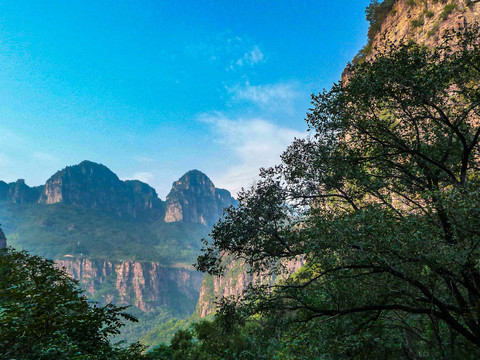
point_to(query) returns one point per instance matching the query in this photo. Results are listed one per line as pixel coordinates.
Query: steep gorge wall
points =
(423, 21)
(233, 283)
(146, 285)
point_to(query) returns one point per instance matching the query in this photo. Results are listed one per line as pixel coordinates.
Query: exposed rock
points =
(147, 285)
(94, 186)
(233, 283)
(433, 18)
(3, 239)
(195, 199)
(19, 192)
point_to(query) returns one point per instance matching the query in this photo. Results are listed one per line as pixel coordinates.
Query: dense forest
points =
(381, 202)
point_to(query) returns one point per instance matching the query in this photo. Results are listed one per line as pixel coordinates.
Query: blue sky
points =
(152, 89)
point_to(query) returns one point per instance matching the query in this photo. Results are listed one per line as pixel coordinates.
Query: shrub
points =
(429, 13)
(418, 22)
(447, 10)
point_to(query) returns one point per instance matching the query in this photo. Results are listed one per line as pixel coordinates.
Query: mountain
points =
(3, 239)
(94, 186)
(195, 199)
(399, 21)
(18, 192)
(116, 237)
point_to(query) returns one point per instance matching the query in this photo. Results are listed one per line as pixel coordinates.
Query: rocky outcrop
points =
(3, 239)
(19, 192)
(94, 186)
(421, 21)
(147, 285)
(425, 21)
(195, 199)
(233, 283)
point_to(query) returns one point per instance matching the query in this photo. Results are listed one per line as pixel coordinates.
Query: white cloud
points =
(281, 96)
(144, 176)
(255, 142)
(251, 57)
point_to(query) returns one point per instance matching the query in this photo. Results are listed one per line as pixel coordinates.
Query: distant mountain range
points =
(123, 243)
(89, 185)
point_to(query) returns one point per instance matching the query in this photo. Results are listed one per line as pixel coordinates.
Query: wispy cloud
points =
(143, 176)
(255, 142)
(251, 57)
(280, 96)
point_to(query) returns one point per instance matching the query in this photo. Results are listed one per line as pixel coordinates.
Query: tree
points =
(382, 203)
(44, 315)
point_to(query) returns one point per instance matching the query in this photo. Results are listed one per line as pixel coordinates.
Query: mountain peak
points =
(93, 185)
(194, 198)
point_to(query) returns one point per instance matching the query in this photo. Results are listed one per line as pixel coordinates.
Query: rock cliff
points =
(18, 192)
(147, 285)
(195, 199)
(94, 186)
(3, 239)
(233, 283)
(423, 21)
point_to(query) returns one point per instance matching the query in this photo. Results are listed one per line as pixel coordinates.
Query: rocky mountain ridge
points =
(234, 281)
(193, 197)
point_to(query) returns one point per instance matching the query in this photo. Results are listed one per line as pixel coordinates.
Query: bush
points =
(417, 22)
(447, 10)
(429, 13)
(44, 315)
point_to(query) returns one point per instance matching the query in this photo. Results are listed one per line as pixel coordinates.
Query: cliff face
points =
(94, 186)
(233, 283)
(146, 285)
(3, 239)
(423, 21)
(194, 198)
(18, 192)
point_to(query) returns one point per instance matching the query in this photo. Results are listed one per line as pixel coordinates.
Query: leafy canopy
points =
(44, 315)
(382, 203)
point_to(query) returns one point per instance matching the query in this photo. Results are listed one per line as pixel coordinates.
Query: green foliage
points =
(163, 332)
(376, 13)
(429, 13)
(411, 2)
(43, 314)
(57, 230)
(447, 10)
(434, 30)
(382, 203)
(418, 22)
(224, 338)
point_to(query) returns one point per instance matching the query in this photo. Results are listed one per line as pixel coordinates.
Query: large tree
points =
(44, 314)
(382, 201)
